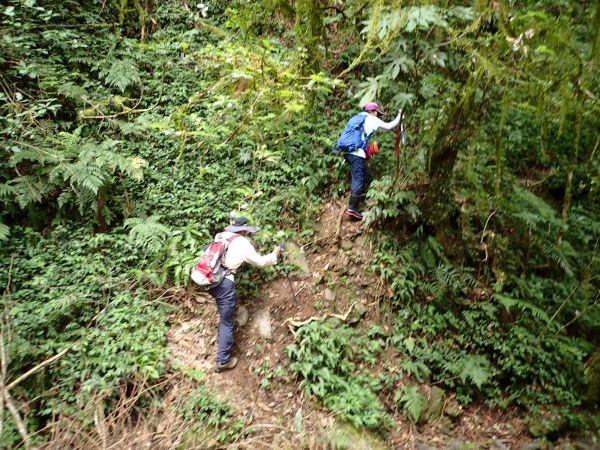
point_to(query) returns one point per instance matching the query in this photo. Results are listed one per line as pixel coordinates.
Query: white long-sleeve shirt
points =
(241, 250)
(372, 124)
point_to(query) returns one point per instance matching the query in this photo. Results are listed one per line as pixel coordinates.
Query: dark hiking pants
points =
(358, 173)
(224, 294)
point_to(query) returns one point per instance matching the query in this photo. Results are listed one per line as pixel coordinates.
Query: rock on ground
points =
(241, 315)
(262, 322)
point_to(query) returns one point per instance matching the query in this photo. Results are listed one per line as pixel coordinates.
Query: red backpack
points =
(209, 270)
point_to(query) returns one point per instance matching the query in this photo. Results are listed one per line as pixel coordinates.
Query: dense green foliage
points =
(130, 130)
(326, 357)
(123, 156)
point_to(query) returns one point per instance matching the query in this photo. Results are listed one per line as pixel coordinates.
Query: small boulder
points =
(241, 316)
(295, 255)
(361, 240)
(262, 322)
(347, 245)
(453, 409)
(497, 444)
(357, 312)
(457, 444)
(329, 294)
(542, 426)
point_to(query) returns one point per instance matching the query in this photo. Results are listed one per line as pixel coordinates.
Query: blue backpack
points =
(352, 137)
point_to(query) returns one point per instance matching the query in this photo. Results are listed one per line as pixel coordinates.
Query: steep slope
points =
(262, 389)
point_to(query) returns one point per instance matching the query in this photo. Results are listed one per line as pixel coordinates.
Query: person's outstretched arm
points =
(251, 256)
(390, 125)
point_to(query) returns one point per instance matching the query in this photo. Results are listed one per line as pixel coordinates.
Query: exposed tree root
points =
(293, 323)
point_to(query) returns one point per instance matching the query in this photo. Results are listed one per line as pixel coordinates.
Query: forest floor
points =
(262, 391)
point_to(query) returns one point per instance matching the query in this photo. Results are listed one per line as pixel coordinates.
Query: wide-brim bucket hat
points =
(241, 224)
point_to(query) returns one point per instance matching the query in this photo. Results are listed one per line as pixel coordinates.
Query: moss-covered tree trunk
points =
(437, 201)
(310, 28)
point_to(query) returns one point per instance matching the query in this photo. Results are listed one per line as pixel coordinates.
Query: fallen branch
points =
(7, 399)
(40, 366)
(17, 419)
(338, 230)
(296, 323)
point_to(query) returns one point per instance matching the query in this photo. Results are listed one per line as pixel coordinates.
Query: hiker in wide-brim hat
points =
(241, 224)
(239, 250)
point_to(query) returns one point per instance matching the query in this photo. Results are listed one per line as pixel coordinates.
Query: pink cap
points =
(372, 106)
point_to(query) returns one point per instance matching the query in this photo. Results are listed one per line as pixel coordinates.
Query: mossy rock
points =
(434, 403)
(347, 437)
(542, 426)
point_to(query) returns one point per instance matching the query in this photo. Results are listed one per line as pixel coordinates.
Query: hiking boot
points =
(352, 210)
(227, 366)
(353, 214)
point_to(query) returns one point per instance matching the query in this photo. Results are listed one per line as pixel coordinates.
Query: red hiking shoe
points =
(353, 214)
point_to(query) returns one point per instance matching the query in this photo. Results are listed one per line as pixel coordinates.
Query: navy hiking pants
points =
(224, 294)
(358, 173)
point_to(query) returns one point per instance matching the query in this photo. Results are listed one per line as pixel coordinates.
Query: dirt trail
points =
(192, 339)
(259, 388)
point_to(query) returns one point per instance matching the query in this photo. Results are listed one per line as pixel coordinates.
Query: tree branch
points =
(30, 372)
(17, 418)
(242, 123)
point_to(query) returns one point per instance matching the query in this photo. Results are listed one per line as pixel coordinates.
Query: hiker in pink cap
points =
(353, 143)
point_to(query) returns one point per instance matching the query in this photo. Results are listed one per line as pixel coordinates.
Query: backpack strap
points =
(229, 240)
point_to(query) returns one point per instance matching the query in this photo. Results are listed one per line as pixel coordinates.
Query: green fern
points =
(412, 401)
(30, 189)
(475, 369)
(68, 165)
(4, 231)
(448, 281)
(523, 306)
(6, 190)
(148, 234)
(121, 74)
(533, 210)
(557, 254)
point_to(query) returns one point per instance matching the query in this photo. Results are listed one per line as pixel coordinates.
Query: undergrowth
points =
(331, 357)
(133, 130)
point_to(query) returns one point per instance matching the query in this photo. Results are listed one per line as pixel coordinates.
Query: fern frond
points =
(523, 306)
(148, 233)
(72, 90)
(476, 369)
(6, 190)
(121, 74)
(557, 254)
(64, 198)
(41, 156)
(29, 189)
(81, 176)
(4, 231)
(412, 401)
(86, 200)
(533, 210)
(102, 156)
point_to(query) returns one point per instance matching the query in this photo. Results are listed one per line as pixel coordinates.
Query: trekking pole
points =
(399, 134)
(285, 270)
